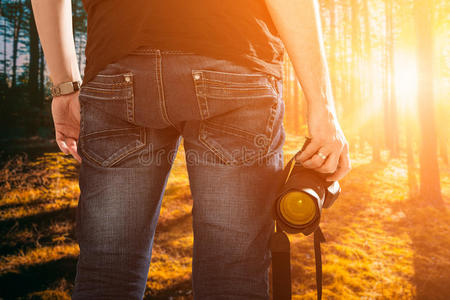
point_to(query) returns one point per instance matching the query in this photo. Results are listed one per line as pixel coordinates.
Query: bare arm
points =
(298, 23)
(54, 24)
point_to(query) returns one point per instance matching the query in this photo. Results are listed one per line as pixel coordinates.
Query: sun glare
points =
(405, 80)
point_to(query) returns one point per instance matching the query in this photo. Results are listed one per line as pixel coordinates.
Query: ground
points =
(382, 243)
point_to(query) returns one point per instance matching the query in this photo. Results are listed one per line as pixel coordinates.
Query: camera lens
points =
(298, 208)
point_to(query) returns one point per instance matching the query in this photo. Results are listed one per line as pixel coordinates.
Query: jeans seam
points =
(130, 106)
(270, 123)
(160, 85)
(176, 52)
(85, 153)
(229, 129)
(202, 101)
(106, 137)
(102, 90)
(145, 51)
(233, 73)
(208, 146)
(118, 158)
(149, 50)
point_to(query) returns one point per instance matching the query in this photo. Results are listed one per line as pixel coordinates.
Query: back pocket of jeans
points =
(114, 93)
(238, 111)
(108, 134)
(108, 147)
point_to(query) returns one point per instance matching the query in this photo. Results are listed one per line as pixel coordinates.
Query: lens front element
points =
(297, 208)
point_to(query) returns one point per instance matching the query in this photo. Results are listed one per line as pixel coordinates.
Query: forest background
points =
(388, 235)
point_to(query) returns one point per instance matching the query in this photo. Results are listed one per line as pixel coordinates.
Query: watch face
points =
(67, 88)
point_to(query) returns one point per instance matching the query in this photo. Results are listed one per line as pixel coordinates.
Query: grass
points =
(381, 242)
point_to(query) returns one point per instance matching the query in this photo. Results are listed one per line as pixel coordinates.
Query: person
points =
(209, 73)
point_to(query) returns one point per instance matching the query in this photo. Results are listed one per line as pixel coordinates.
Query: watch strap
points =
(65, 88)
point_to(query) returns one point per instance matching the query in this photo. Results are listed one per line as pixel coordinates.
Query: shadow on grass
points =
(36, 278)
(171, 224)
(43, 277)
(181, 290)
(39, 219)
(42, 221)
(347, 207)
(39, 278)
(428, 228)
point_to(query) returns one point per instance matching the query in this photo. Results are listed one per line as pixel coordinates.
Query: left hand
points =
(66, 118)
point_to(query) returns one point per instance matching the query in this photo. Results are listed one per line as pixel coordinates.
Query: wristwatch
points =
(66, 88)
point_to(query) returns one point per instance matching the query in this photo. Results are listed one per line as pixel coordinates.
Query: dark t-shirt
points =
(241, 31)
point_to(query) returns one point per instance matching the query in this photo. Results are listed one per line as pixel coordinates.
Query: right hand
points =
(66, 118)
(328, 150)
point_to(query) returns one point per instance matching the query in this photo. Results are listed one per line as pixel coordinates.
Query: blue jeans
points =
(133, 115)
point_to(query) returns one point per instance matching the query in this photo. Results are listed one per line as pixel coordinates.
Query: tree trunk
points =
(332, 54)
(412, 180)
(41, 75)
(5, 64)
(393, 101)
(355, 91)
(33, 72)
(373, 122)
(390, 103)
(18, 13)
(430, 189)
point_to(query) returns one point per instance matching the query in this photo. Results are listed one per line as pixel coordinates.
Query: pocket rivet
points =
(196, 76)
(127, 78)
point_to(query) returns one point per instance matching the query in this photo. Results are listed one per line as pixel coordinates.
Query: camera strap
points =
(318, 238)
(281, 264)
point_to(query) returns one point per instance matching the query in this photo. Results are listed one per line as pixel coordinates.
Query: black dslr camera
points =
(302, 196)
(298, 205)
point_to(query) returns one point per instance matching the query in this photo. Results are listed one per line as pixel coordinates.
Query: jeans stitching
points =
(209, 145)
(86, 154)
(104, 91)
(270, 124)
(130, 105)
(201, 99)
(228, 82)
(115, 98)
(160, 85)
(230, 129)
(202, 139)
(108, 130)
(176, 52)
(105, 84)
(114, 75)
(232, 73)
(116, 158)
(155, 51)
(247, 88)
(241, 97)
(145, 51)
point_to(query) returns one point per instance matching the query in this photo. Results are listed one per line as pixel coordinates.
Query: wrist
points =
(70, 96)
(321, 111)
